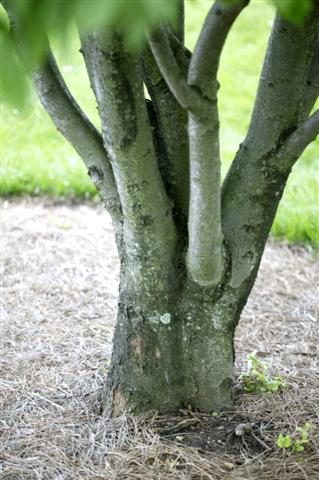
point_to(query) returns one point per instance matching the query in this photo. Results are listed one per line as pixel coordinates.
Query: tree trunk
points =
(173, 344)
(175, 352)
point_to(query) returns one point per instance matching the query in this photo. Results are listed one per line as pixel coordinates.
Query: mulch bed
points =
(59, 275)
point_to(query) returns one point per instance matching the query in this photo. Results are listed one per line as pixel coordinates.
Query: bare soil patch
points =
(59, 274)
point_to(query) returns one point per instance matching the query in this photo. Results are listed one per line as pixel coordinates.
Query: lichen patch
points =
(165, 318)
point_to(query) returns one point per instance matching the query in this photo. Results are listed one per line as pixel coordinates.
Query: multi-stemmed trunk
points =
(175, 351)
(189, 247)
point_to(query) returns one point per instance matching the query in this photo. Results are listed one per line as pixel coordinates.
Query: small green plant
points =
(257, 379)
(295, 442)
(303, 438)
(284, 441)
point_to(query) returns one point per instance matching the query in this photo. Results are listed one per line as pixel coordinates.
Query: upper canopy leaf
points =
(41, 18)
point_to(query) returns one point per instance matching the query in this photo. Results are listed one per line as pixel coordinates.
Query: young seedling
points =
(284, 441)
(297, 441)
(257, 380)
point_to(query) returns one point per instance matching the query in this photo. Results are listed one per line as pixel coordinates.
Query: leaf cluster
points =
(257, 380)
(41, 18)
(297, 441)
(45, 18)
(296, 11)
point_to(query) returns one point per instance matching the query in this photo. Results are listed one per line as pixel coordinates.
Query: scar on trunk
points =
(136, 343)
(118, 403)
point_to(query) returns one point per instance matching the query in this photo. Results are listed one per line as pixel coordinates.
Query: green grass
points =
(37, 160)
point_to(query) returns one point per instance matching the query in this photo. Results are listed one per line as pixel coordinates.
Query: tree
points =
(189, 246)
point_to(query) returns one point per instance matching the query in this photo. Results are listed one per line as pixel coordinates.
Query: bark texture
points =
(189, 248)
(177, 355)
(257, 177)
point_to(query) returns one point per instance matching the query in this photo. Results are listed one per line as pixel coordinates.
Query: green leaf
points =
(230, 2)
(43, 18)
(14, 86)
(298, 447)
(284, 441)
(4, 20)
(274, 385)
(287, 441)
(295, 11)
(280, 441)
(130, 17)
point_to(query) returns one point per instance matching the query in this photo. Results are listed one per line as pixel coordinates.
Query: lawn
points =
(36, 159)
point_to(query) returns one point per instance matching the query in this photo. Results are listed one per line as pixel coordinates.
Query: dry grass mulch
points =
(59, 286)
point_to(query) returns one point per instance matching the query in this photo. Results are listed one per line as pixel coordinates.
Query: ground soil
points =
(59, 288)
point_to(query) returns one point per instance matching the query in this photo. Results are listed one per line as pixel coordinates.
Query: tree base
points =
(171, 361)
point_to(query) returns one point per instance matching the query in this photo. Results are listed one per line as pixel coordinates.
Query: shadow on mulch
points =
(227, 433)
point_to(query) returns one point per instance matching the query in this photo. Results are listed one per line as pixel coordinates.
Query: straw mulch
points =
(58, 303)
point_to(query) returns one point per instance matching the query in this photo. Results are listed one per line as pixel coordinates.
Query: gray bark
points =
(178, 357)
(173, 149)
(180, 23)
(171, 121)
(206, 255)
(197, 93)
(205, 61)
(311, 88)
(149, 233)
(173, 344)
(299, 140)
(68, 117)
(79, 131)
(257, 177)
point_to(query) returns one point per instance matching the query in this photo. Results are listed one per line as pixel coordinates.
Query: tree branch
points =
(181, 53)
(78, 130)
(174, 75)
(172, 129)
(205, 59)
(205, 257)
(257, 177)
(179, 31)
(311, 90)
(295, 144)
(278, 108)
(71, 121)
(172, 121)
(117, 80)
